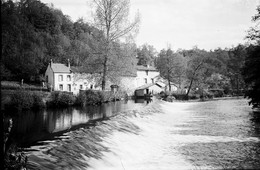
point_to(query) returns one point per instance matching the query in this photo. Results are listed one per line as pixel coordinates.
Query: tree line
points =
(33, 33)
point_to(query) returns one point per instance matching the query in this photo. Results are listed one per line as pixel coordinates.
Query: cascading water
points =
(183, 135)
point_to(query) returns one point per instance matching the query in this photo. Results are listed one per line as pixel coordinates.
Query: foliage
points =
(178, 96)
(94, 97)
(251, 73)
(171, 66)
(61, 99)
(33, 33)
(25, 100)
(146, 55)
(254, 32)
(89, 97)
(111, 17)
(251, 69)
(235, 64)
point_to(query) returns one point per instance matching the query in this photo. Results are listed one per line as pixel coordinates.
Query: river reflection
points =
(30, 127)
(222, 134)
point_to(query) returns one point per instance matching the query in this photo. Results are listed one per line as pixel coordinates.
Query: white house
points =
(61, 77)
(146, 75)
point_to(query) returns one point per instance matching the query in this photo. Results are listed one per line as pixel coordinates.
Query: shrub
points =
(21, 100)
(61, 99)
(93, 97)
(206, 95)
(38, 100)
(25, 100)
(180, 96)
(89, 97)
(218, 93)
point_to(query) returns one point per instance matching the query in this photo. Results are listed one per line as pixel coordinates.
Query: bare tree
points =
(111, 17)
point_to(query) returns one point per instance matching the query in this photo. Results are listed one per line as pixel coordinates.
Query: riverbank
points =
(22, 99)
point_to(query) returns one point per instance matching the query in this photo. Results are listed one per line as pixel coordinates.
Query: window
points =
(68, 78)
(81, 87)
(145, 80)
(60, 77)
(61, 87)
(146, 72)
(69, 87)
(152, 81)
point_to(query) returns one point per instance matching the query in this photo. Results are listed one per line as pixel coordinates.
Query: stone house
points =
(63, 77)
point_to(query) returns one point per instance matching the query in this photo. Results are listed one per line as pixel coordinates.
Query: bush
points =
(22, 100)
(61, 99)
(89, 97)
(25, 100)
(180, 96)
(206, 95)
(93, 97)
(38, 100)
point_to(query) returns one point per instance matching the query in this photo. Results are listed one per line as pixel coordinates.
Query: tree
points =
(234, 67)
(146, 55)
(111, 17)
(171, 66)
(251, 69)
(199, 69)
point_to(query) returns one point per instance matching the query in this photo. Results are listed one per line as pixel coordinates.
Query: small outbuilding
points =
(147, 89)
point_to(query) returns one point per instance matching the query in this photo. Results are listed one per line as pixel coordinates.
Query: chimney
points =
(68, 63)
(147, 65)
(51, 62)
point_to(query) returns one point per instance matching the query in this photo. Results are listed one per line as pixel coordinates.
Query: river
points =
(219, 134)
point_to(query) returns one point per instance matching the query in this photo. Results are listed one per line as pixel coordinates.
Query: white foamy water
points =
(155, 147)
(220, 134)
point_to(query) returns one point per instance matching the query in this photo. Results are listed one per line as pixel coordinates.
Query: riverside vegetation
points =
(25, 100)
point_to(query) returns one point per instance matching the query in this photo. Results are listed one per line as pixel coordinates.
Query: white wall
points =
(155, 89)
(49, 73)
(128, 84)
(86, 80)
(141, 75)
(173, 87)
(64, 82)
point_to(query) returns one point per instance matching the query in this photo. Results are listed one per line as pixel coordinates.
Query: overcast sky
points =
(209, 24)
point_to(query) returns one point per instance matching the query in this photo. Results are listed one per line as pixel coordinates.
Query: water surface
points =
(222, 134)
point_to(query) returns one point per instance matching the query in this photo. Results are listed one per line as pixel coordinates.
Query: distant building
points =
(146, 75)
(61, 77)
(148, 89)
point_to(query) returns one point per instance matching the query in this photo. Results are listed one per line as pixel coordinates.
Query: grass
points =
(14, 85)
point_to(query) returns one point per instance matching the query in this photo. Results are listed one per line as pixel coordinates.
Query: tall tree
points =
(251, 70)
(111, 16)
(199, 68)
(171, 66)
(146, 55)
(234, 67)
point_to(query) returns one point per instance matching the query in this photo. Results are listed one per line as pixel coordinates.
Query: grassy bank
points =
(22, 99)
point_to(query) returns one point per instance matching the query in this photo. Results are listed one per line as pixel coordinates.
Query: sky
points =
(207, 24)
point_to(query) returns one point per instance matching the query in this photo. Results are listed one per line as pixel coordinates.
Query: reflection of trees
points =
(255, 124)
(27, 126)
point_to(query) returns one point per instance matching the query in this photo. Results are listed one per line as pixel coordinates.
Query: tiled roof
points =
(60, 68)
(143, 68)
